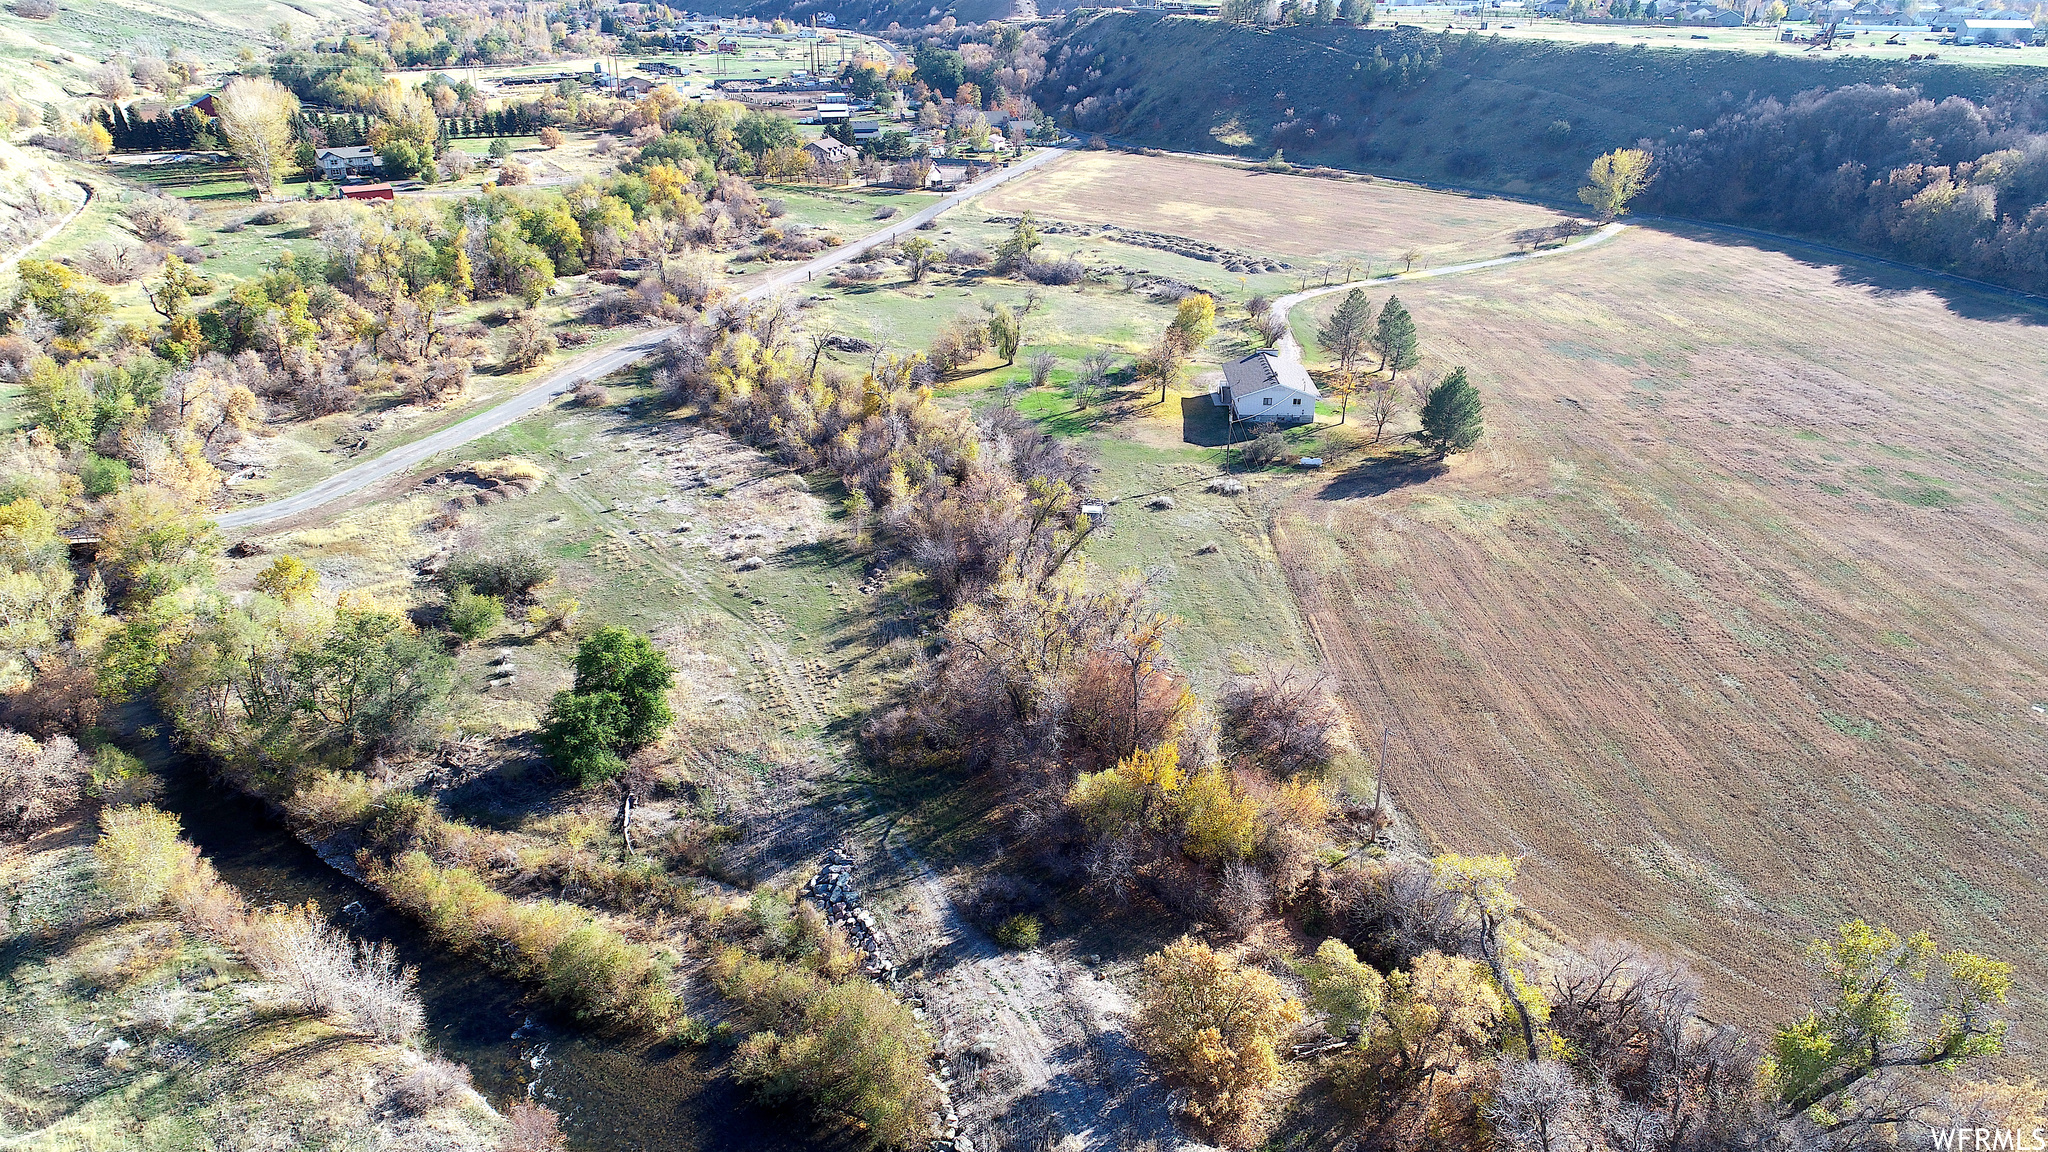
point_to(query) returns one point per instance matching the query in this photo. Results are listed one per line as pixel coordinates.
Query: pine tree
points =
(1452, 417)
(1346, 334)
(1394, 338)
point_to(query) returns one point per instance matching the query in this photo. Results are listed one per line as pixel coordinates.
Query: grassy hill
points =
(45, 60)
(1522, 116)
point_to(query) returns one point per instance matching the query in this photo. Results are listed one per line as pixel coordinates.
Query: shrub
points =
(38, 781)
(508, 576)
(143, 864)
(358, 985)
(102, 475)
(1267, 447)
(471, 615)
(1213, 1024)
(1055, 272)
(600, 976)
(551, 137)
(1019, 933)
(850, 1049)
(120, 780)
(533, 1128)
(434, 1083)
(585, 966)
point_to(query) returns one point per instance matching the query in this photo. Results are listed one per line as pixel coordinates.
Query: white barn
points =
(1265, 386)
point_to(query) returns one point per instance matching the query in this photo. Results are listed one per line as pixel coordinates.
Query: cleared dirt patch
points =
(1734, 625)
(1269, 213)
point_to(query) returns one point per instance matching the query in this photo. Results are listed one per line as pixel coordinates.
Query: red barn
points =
(370, 192)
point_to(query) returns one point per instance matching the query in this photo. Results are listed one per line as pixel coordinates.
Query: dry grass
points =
(1733, 626)
(1266, 213)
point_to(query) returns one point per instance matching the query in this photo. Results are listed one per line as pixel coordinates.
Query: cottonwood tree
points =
(1888, 1003)
(919, 254)
(1542, 1106)
(1213, 1023)
(1486, 905)
(1347, 334)
(1614, 179)
(1437, 1016)
(1453, 417)
(255, 115)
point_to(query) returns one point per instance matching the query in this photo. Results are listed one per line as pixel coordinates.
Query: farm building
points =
(336, 163)
(826, 150)
(370, 192)
(1266, 387)
(1998, 31)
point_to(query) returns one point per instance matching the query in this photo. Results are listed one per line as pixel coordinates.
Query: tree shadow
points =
(1381, 476)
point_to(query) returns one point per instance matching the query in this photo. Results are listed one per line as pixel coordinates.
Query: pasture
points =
(1731, 628)
(1310, 222)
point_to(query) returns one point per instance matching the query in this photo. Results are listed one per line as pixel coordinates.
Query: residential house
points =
(342, 163)
(867, 129)
(1266, 387)
(827, 151)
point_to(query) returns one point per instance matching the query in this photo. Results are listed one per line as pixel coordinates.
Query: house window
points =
(1297, 401)
(1269, 401)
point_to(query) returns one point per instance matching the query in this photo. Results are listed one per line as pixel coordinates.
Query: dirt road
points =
(591, 366)
(15, 257)
(1036, 1039)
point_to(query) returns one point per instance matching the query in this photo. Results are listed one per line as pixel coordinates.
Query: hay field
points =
(1299, 218)
(1734, 626)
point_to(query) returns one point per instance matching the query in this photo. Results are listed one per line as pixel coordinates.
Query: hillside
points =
(1520, 116)
(49, 59)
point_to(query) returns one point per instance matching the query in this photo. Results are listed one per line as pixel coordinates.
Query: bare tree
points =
(1541, 1106)
(1281, 719)
(1041, 364)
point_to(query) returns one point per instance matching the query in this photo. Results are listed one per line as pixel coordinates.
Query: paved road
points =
(590, 366)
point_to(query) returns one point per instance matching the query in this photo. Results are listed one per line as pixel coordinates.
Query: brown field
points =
(1270, 214)
(1736, 625)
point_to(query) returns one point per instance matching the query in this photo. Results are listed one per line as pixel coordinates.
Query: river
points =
(613, 1096)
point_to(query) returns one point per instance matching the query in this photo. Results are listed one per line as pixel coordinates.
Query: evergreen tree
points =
(1452, 417)
(1345, 336)
(1394, 338)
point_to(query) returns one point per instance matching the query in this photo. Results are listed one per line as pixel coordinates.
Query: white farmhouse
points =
(336, 163)
(1265, 386)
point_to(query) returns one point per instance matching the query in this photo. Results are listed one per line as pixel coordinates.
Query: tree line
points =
(1955, 184)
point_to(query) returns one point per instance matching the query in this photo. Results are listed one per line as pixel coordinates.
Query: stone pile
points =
(833, 889)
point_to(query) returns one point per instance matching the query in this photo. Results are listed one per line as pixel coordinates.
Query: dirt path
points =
(1036, 1038)
(8, 264)
(1291, 348)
